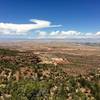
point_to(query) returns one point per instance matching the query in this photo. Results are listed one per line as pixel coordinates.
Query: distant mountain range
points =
(76, 40)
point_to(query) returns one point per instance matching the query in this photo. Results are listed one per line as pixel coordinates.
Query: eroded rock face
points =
(59, 61)
(6, 58)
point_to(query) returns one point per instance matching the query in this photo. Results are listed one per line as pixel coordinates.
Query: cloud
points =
(57, 34)
(98, 33)
(66, 34)
(89, 34)
(41, 34)
(70, 33)
(22, 29)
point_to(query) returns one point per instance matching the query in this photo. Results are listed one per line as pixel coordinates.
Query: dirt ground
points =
(75, 58)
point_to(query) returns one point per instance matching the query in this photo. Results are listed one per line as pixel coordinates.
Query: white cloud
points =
(70, 33)
(89, 34)
(98, 33)
(41, 34)
(66, 34)
(54, 33)
(21, 29)
(57, 34)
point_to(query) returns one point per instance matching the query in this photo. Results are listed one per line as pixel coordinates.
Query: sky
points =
(49, 18)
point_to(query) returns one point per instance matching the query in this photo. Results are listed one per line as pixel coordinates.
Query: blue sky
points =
(51, 18)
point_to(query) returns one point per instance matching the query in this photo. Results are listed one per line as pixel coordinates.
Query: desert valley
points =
(54, 70)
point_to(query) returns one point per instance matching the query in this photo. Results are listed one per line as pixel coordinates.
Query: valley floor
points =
(42, 71)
